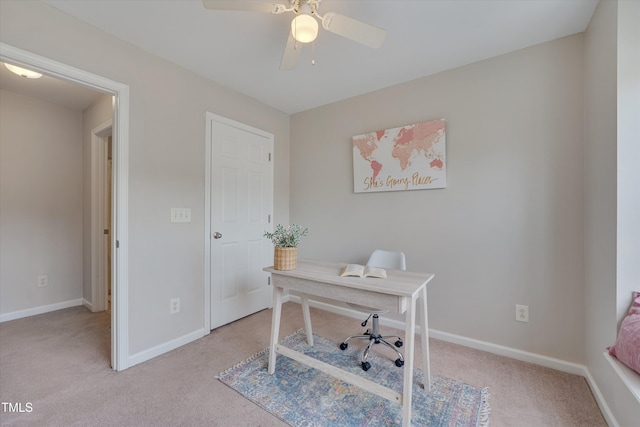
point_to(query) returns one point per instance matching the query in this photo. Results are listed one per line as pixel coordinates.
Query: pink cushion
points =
(627, 346)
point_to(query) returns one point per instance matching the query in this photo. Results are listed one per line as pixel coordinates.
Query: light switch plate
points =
(180, 214)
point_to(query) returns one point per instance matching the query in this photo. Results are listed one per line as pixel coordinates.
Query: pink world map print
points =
(410, 157)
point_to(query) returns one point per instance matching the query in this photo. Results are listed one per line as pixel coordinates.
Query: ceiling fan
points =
(304, 26)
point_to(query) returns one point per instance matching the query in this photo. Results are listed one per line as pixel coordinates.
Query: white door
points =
(241, 205)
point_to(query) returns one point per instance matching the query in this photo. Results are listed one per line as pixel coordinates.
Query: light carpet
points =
(303, 396)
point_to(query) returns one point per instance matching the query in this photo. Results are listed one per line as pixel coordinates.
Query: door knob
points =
(217, 235)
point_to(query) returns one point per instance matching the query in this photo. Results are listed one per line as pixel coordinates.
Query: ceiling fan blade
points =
(245, 5)
(291, 54)
(355, 30)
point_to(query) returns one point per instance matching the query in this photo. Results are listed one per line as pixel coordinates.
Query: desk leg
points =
(307, 319)
(424, 338)
(275, 327)
(409, 340)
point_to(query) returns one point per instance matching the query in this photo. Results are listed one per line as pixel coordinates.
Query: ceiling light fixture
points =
(304, 27)
(23, 72)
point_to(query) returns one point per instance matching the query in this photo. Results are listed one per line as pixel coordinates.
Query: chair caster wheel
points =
(366, 366)
(343, 346)
(398, 343)
(399, 363)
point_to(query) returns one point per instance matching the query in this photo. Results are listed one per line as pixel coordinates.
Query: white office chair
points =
(383, 259)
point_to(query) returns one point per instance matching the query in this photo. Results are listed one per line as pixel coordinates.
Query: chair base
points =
(374, 337)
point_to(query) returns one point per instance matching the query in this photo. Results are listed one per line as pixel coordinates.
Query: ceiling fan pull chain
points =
(313, 53)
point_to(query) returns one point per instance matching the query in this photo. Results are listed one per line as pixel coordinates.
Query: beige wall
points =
(40, 203)
(166, 160)
(507, 230)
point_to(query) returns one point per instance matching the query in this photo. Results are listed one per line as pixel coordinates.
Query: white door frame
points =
(207, 204)
(120, 245)
(99, 274)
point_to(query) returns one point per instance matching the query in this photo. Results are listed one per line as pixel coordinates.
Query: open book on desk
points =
(357, 270)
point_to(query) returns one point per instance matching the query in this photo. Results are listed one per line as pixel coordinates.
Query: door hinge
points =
(269, 219)
(117, 244)
(269, 156)
(269, 280)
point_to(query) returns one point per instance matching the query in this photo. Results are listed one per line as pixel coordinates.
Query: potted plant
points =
(285, 242)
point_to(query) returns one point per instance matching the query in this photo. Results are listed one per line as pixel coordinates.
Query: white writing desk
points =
(400, 292)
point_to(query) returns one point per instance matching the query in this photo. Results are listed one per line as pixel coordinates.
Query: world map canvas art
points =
(410, 157)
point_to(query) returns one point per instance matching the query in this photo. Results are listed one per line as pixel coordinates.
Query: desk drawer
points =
(378, 300)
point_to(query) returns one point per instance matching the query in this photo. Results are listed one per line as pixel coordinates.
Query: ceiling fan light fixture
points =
(23, 72)
(304, 28)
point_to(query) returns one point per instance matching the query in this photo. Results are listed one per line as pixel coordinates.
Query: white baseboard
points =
(166, 347)
(602, 403)
(39, 310)
(87, 304)
(512, 353)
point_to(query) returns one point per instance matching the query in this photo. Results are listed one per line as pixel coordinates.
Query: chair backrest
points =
(388, 259)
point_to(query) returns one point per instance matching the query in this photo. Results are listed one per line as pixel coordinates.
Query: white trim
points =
(40, 310)
(120, 266)
(629, 377)
(166, 347)
(602, 403)
(512, 353)
(207, 224)
(98, 221)
(120, 231)
(87, 304)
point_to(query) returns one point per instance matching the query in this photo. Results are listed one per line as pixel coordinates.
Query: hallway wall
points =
(40, 203)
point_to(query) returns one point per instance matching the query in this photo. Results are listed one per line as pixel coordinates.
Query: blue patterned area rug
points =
(303, 396)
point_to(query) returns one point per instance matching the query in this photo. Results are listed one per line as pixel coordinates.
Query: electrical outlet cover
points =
(522, 313)
(43, 281)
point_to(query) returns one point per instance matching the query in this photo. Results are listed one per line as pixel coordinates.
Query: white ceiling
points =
(242, 50)
(50, 89)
